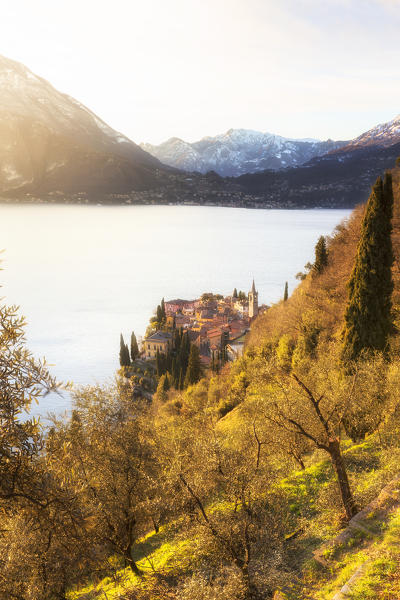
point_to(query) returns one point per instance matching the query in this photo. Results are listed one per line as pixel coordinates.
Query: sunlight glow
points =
(189, 69)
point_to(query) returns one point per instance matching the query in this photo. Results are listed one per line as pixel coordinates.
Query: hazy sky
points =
(157, 68)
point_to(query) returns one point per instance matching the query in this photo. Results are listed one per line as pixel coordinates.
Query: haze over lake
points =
(83, 274)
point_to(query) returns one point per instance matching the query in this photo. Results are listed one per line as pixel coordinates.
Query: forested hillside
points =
(247, 485)
(323, 299)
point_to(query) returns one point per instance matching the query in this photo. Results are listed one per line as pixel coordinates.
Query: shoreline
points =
(112, 203)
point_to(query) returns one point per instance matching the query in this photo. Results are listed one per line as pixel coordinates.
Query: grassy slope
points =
(371, 544)
(370, 468)
(157, 552)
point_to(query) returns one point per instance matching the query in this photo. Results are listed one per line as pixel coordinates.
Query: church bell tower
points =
(253, 302)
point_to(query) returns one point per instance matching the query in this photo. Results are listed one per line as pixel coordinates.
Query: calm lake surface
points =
(81, 275)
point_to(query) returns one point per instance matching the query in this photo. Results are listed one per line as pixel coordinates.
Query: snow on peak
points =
(239, 151)
(384, 134)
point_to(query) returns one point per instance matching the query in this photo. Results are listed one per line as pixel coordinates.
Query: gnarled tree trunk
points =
(343, 481)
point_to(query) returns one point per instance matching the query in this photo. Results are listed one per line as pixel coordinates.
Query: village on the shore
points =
(214, 323)
(186, 338)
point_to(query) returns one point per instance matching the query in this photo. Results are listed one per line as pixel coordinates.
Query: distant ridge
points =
(239, 151)
(245, 151)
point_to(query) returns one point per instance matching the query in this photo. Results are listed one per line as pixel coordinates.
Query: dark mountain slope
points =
(49, 141)
(342, 179)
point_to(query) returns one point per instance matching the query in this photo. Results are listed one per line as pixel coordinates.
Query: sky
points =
(154, 69)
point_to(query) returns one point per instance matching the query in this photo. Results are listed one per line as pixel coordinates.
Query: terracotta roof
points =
(181, 319)
(159, 336)
(214, 332)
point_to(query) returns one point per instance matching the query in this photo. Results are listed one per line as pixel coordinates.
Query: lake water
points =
(82, 275)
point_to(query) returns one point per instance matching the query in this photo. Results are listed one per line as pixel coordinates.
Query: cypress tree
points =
(163, 313)
(185, 351)
(159, 314)
(286, 292)
(368, 319)
(177, 340)
(134, 347)
(167, 384)
(321, 256)
(163, 387)
(158, 364)
(172, 373)
(193, 372)
(167, 361)
(235, 294)
(181, 380)
(121, 350)
(127, 355)
(124, 358)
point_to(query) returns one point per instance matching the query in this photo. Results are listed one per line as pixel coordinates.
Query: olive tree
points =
(22, 381)
(315, 402)
(218, 481)
(110, 454)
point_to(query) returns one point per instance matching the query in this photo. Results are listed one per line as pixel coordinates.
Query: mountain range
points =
(54, 148)
(240, 151)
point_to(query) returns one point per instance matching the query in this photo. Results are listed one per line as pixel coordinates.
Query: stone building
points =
(160, 340)
(253, 302)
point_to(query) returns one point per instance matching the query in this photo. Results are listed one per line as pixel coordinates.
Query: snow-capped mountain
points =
(49, 141)
(239, 151)
(383, 135)
(179, 154)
